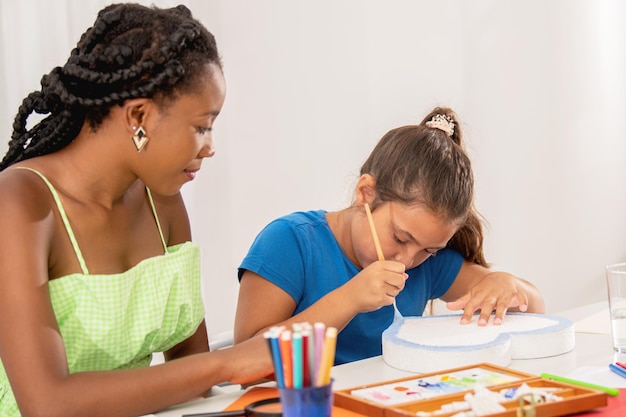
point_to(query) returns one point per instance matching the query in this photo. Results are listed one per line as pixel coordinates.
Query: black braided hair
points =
(131, 51)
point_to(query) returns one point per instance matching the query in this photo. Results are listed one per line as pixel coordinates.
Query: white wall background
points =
(312, 85)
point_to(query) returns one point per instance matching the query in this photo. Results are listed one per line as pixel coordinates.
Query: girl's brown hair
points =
(427, 165)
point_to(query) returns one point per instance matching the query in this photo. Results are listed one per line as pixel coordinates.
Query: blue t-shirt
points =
(300, 254)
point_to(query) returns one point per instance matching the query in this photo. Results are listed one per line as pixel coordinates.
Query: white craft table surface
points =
(591, 350)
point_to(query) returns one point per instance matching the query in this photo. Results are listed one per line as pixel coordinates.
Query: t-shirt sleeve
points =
(276, 256)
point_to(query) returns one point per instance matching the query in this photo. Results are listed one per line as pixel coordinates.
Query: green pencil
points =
(614, 392)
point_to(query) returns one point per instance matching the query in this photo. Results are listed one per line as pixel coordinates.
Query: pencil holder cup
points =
(307, 401)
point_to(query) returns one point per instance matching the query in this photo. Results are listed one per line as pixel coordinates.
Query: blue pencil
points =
(296, 357)
(618, 370)
(272, 339)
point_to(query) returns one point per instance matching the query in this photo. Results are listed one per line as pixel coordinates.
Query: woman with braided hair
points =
(323, 266)
(100, 271)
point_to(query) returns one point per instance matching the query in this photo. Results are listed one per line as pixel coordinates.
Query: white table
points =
(591, 350)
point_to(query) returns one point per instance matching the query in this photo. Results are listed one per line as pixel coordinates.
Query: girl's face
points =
(407, 234)
(181, 137)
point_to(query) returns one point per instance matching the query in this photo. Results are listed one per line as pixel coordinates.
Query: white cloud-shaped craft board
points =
(433, 343)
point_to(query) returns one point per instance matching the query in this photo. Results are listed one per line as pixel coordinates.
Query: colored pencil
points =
(296, 357)
(286, 354)
(272, 339)
(319, 329)
(307, 357)
(304, 356)
(611, 391)
(618, 370)
(328, 357)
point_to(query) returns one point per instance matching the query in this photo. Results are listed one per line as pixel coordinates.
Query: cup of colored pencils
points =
(303, 356)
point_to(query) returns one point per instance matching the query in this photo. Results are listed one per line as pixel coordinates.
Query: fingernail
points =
(497, 321)
(482, 322)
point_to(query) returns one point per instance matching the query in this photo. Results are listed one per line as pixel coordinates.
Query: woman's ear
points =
(135, 113)
(365, 190)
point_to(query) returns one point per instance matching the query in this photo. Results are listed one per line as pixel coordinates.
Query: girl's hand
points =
(496, 291)
(376, 286)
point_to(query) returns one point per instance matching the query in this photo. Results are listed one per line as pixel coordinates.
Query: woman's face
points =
(407, 234)
(181, 135)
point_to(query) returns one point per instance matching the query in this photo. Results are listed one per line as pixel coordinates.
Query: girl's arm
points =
(263, 304)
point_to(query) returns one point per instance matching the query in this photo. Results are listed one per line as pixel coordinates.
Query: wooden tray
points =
(428, 392)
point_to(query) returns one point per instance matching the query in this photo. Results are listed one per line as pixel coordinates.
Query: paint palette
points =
(432, 386)
(432, 393)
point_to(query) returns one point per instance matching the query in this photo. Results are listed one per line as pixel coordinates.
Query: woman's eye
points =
(204, 130)
(431, 252)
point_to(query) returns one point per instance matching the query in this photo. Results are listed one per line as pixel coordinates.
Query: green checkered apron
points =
(117, 321)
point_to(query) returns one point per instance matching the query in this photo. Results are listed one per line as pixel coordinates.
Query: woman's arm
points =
(33, 351)
(196, 343)
(33, 354)
(478, 288)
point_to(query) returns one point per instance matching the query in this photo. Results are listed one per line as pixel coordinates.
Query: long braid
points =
(131, 51)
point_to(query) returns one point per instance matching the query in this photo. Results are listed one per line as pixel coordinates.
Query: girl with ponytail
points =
(323, 266)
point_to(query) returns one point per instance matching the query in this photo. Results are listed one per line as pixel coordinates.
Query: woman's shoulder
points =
(27, 207)
(23, 194)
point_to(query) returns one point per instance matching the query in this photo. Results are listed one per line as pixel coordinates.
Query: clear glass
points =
(616, 286)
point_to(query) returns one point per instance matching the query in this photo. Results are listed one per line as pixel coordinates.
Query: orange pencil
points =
(285, 352)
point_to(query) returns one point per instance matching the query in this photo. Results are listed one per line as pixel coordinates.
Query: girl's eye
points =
(398, 240)
(204, 130)
(431, 252)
